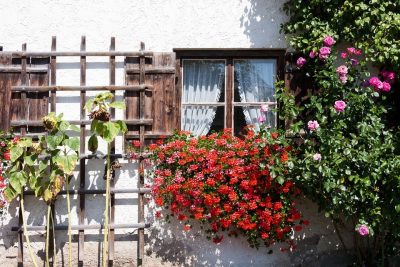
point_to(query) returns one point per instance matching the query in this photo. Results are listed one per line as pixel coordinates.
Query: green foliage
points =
(373, 25)
(43, 166)
(349, 165)
(101, 125)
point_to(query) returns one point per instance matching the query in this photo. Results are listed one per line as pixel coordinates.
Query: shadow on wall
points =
(261, 21)
(170, 244)
(36, 215)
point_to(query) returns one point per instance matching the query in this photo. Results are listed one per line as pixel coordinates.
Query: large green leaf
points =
(66, 163)
(16, 152)
(72, 142)
(30, 160)
(74, 128)
(89, 104)
(93, 143)
(122, 126)
(9, 194)
(110, 131)
(118, 105)
(17, 181)
(53, 141)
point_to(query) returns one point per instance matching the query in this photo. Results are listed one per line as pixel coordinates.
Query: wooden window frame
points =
(229, 55)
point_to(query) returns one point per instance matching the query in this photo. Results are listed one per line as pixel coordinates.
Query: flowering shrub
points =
(350, 158)
(229, 184)
(6, 140)
(372, 25)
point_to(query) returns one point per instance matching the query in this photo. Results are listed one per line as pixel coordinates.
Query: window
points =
(226, 88)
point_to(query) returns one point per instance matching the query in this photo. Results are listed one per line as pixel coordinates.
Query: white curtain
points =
(203, 81)
(255, 83)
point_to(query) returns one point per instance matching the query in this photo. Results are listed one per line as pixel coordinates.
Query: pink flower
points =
(324, 52)
(343, 79)
(363, 230)
(343, 55)
(342, 70)
(351, 50)
(317, 157)
(313, 125)
(264, 108)
(386, 87)
(313, 54)
(300, 62)
(329, 41)
(376, 83)
(261, 119)
(357, 52)
(388, 76)
(340, 105)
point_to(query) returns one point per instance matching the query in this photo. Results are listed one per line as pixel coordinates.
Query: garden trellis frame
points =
(147, 117)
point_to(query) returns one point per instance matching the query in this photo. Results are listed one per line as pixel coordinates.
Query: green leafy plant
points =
(373, 25)
(102, 126)
(349, 158)
(44, 167)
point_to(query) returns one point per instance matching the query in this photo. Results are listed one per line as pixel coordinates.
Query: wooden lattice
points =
(28, 86)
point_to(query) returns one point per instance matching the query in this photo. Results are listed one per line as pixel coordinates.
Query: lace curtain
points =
(254, 79)
(203, 81)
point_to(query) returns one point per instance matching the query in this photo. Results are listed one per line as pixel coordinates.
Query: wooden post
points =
(82, 162)
(111, 236)
(23, 129)
(142, 76)
(53, 74)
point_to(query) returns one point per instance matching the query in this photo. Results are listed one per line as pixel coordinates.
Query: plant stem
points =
(26, 232)
(54, 241)
(106, 215)
(69, 224)
(48, 235)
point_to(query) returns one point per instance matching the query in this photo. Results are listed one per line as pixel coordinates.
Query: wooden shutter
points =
(11, 104)
(161, 104)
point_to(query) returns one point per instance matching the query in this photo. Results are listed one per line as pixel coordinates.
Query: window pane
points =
(201, 120)
(203, 81)
(251, 116)
(254, 80)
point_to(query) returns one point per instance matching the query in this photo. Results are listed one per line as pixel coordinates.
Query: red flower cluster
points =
(228, 183)
(5, 142)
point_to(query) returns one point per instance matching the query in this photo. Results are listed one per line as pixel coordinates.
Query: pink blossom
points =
(388, 76)
(313, 54)
(300, 62)
(340, 105)
(317, 157)
(363, 230)
(357, 52)
(386, 87)
(329, 41)
(342, 70)
(261, 119)
(343, 55)
(343, 79)
(313, 125)
(324, 52)
(376, 83)
(351, 50)
(264, 108)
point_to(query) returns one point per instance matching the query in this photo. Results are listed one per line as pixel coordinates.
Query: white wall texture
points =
(162, 25)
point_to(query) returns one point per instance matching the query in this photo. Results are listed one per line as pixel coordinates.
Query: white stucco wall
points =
(162, 25)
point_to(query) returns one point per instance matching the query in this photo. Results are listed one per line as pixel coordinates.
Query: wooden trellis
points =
(28, 86)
